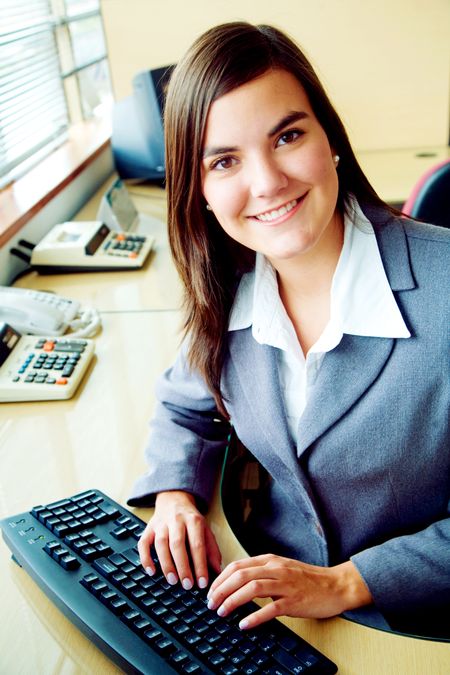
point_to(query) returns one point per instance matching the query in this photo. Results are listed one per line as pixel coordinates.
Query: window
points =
(53, 73)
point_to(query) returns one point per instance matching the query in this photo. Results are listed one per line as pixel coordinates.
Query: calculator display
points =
(8, 340)
(96, 241)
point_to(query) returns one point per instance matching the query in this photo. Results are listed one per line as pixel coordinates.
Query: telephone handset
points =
(42, 313)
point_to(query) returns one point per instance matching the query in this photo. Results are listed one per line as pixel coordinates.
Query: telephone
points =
(41, 313)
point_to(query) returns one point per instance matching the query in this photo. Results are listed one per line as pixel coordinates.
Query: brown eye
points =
(289, 136)
(223, 163)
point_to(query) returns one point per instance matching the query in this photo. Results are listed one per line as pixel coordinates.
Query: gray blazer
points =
(369, 479)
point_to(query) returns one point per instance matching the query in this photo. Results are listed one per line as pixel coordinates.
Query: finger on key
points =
(197, 546)
(162, 549)
(144, 544)
(180, 557)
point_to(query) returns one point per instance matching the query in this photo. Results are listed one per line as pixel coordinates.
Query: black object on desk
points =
(82, 553)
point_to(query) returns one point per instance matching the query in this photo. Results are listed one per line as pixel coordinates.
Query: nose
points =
(267, 178)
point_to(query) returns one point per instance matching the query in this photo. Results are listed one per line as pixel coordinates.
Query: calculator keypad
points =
(44, 368)
(124, 245)
(55, 364)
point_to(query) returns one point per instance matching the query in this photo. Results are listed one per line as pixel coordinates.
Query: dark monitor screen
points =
(138, 134)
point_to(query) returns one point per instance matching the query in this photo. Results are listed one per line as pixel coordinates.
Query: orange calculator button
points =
(62, 380)
(48, 346)
(120, 237)
(132, 255)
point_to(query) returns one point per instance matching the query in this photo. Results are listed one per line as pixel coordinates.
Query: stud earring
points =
(208, 208)
(336, 159)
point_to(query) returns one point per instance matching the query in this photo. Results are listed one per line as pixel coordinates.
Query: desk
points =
(54, 449)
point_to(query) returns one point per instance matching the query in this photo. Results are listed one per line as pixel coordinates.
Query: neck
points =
(310, 275)
(304, 285)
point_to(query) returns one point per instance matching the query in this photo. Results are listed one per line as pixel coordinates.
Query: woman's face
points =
(268, 171)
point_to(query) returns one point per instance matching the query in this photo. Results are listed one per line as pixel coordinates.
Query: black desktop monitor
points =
(137, 135)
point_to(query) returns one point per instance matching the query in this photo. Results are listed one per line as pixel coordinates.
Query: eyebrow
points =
(290, 118)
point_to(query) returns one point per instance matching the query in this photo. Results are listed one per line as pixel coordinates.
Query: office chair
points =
(430, 199)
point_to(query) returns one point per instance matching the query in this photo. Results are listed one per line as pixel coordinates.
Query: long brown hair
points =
(209, 262)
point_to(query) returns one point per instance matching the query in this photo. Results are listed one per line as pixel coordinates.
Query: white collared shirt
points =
(361, 303)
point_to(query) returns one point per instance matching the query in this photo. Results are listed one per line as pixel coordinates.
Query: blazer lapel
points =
(346, 373)
(256, 368)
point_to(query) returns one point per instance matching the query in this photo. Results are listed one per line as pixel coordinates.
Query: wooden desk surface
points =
(50, 450)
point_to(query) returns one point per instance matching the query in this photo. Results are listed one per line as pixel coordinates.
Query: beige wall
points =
(385, 63)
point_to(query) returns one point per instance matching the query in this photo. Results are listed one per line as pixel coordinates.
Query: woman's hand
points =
(176, 526)
(297, 589)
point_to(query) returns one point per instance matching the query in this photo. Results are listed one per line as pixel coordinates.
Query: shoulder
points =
(427, 244)
(425, 232)
(393, 231)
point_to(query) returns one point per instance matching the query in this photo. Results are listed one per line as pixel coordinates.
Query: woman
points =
(316, 325)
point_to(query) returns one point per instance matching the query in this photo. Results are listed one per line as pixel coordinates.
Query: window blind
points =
(33, 111)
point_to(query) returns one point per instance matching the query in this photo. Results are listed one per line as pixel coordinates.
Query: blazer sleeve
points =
(410, 571)
(187, 439)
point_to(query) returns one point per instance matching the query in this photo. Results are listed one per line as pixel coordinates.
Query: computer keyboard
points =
(82, 551)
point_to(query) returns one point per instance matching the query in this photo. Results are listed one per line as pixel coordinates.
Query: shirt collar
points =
(362, 302)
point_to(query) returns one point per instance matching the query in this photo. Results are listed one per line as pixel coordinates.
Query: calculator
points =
(34, 368)
(89, 247)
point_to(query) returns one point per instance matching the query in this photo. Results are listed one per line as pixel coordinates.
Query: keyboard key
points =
(288, 642)
(216, 659)
(69, 562)
(107, 596)
(109, 509)
(89, 579)
(97, 587)
(105, 567)
(191, 668)
(291, 664)
(305, 657)
(249, 669)
(141, 625)
(117, 559)
(120, 533)
(152, 635)
(133, 557)
(229, 670)
(276, 670)
(179, 657)
(118, 605)
(131, 615)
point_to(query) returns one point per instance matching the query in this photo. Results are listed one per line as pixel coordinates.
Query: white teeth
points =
(273, 215)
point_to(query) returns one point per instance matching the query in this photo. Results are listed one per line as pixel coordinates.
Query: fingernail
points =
(149, 571)
(211, 604)
(187, 584)
(243, 624)
(221, 611)
(172, 578)
(202, 582)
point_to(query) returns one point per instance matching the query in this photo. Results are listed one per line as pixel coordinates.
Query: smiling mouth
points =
(268, 216)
